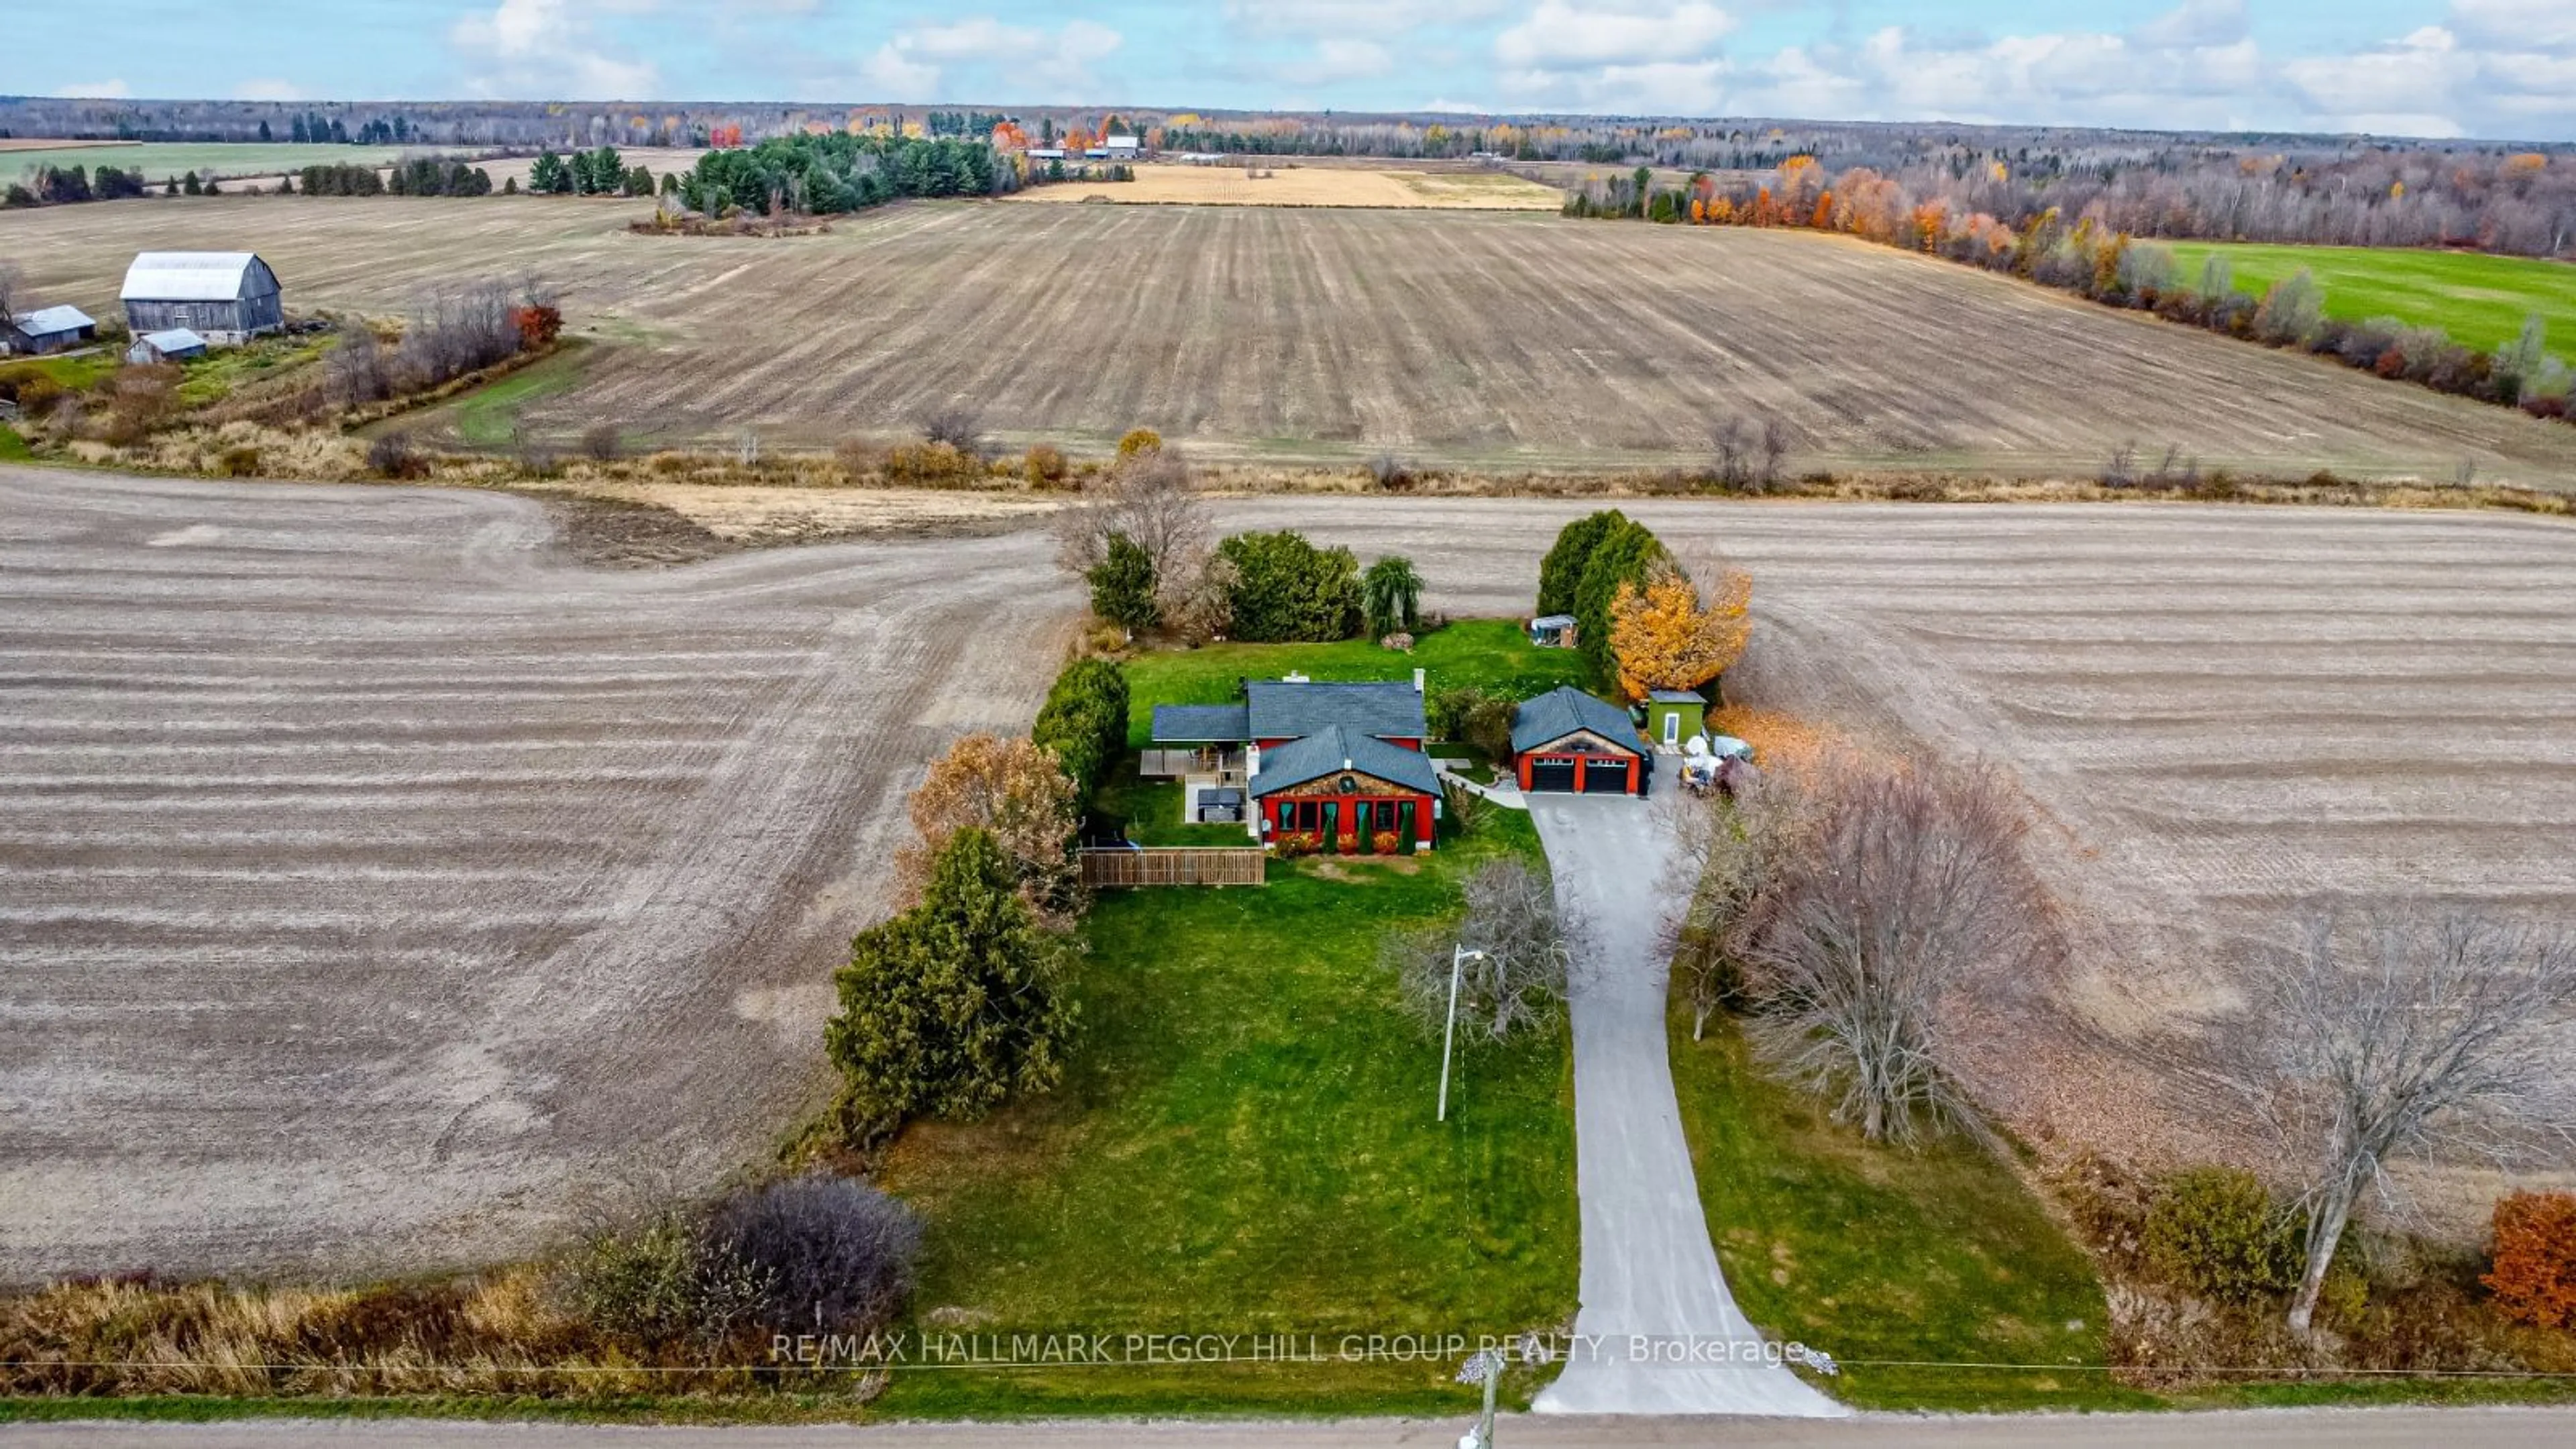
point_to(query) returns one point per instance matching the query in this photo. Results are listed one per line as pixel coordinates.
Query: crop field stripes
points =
(1455, 338)
(372, 873)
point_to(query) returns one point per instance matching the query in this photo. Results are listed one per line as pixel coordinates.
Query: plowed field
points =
(1329, 335)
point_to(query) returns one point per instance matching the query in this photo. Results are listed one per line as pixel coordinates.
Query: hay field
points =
(1330, 335)
(1182, 185)
(379, 890)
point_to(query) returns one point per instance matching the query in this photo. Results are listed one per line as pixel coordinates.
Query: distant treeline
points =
(2082, 254)
(410, 178)
(64, 185)
(824, 174)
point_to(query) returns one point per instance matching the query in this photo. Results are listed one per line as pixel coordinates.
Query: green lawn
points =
(161, 160)
(13, 449)
(1882, 1255)
(1245, 1143)
(1491, 653)
(2479, 300)
(1152, 809)
(214, 377)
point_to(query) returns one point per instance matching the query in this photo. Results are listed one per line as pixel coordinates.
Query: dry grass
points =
(1183, 185)
(1469, 341)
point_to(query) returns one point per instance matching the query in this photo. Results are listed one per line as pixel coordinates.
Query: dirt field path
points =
(376, 889)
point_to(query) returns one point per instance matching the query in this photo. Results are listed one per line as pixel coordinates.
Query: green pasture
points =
(2480, 300)
(161, 160)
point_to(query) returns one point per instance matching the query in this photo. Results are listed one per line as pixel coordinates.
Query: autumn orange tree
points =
(1013, 789)
(2534, 1274)
(1666, 635)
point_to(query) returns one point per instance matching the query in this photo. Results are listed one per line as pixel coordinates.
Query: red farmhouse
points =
(1338, 766)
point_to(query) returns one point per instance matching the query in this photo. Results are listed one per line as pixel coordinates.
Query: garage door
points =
(1605, 777)
(1551, 774)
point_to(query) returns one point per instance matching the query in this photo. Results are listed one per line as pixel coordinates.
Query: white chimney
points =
(1417, 681)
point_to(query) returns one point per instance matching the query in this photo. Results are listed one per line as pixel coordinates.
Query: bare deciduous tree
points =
(1728, 857)
(1150, 498)
(957, 425)
(1522, 979)
(1729, 440)
(13, 280)
(1906, 889)
(2370, 1040)
(1775, 446)
(356, 367)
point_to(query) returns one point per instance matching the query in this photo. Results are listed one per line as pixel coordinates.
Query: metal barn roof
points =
(187, 276)
(45, 321)
(174, 339)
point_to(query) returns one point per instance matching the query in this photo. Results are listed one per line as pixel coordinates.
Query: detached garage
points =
(1566, 741)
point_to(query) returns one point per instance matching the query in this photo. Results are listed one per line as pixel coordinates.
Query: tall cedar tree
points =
(1626, 554)
(954, 1006)
(1084, 722)
(1123, 585)
(1561, 572)
(1286, 590)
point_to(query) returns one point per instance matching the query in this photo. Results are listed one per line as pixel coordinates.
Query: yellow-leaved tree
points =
(1667, 636)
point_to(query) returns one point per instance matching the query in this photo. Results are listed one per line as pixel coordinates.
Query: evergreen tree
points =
(1122, 585)
(952, 1007)
(1391, 594)
(263, 132)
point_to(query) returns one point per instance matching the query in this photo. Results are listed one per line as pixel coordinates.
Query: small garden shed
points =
(1675, 715)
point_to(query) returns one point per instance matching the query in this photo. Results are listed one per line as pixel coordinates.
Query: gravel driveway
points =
(1669, 1338)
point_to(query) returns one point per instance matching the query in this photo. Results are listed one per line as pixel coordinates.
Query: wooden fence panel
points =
(1174, 866)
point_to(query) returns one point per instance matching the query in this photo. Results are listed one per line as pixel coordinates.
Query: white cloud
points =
(266, 90)
(1376, 19)
(1041, 65)
(551, 49)
(1570, 35)
(102, 90)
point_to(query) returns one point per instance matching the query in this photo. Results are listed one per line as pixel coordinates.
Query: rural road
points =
(1668, 1336)
(2263, 1429)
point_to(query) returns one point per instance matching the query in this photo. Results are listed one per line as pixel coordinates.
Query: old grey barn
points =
(224, 297)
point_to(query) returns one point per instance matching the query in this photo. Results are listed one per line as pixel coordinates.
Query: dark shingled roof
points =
(1282, 710)
(1335, 749)
(1200, 724)
(1563, 710)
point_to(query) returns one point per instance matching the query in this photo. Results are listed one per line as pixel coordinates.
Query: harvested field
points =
(378, 888)
(1270, 334)
(1292, 185)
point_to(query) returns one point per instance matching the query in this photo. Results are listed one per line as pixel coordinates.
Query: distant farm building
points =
(172, 345)
(48, 329)
(224, 297)
(1046, 153)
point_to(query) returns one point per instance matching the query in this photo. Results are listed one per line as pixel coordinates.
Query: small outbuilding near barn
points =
(1552, 631)
(48, 329)
(171, 346)
(1568, 741)
(225, 297)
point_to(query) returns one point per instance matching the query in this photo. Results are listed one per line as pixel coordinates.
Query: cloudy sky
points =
(2500, 68)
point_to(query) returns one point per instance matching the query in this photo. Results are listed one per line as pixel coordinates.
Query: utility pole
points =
(1458, 958)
